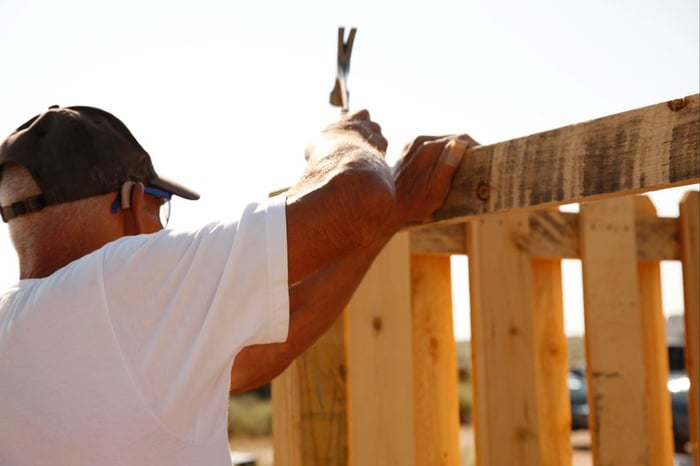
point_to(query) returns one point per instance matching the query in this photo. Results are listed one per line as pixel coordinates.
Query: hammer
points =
(340, 95)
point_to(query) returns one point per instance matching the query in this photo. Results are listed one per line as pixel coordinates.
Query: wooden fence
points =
(380, 387)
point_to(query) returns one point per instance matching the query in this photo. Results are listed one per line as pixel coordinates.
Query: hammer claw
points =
(339, 95)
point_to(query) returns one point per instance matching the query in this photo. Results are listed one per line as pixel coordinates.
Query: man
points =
(118, 344)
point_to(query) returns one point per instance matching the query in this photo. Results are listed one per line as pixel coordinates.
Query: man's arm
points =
(346, 207)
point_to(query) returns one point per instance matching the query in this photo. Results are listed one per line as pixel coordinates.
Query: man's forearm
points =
(339, 217)
(344, 203)
(315, 303)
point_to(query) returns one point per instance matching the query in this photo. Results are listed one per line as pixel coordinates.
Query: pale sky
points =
(225, 95)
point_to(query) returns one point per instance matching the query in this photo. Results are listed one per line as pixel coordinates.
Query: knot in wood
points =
(483, 191)
(377, 324)
(677, 105)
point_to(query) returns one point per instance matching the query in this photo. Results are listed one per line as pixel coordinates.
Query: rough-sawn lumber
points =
(639, 150)
(555, 235)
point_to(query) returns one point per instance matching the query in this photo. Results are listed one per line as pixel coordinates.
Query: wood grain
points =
(655, 351)
(615, 367)
(506, 420)
(434, 362)
(690, 240)
(555, 235)
(309, 405)
(551, 363)
(380, 367)
(644, 149)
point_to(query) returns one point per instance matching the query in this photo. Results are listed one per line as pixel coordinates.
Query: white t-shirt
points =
(123, 357)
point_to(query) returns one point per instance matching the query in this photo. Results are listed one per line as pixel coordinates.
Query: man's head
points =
(78, 152)
(73, 179)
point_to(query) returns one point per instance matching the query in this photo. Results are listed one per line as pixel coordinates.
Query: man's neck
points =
(43, 261)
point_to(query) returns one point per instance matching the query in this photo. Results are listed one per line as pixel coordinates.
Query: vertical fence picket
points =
(613, 330)
(309, 405)
(505, 418)
(286, 418)
(434, 362)
(655, 353)
(551, 364)
(380, 382)
(690, 252)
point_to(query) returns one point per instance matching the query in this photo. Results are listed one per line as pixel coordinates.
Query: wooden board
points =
(309, 405)
(286, 418)
(503, 347)
(380, 367)
(690, 240)
(615, 366)
(639, 150)
(434, 362)
(655, 351)
(551, 364)
(555, 235)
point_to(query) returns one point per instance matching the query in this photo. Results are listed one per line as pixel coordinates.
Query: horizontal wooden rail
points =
(640, 150)
(555, 235)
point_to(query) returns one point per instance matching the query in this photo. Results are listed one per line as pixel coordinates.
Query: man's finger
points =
(447, 163)
(357, 115)
(453, 153)
(363, 126)
(414, 145)
(468, 139)
(379, 142)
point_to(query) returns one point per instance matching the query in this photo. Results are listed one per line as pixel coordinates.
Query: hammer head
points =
(338, 98)
(339, 95)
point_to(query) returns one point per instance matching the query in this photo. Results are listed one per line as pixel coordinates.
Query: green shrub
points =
(248, 414)
(464, 361)
(464, 392)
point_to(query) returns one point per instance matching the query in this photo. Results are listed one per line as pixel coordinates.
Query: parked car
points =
(678, 385)
(579, 404)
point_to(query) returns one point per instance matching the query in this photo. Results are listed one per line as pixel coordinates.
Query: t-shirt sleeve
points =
(183, 304)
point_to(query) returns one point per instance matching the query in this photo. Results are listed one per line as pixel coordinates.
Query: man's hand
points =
(346, 207)
(353, 129)
(423, 175)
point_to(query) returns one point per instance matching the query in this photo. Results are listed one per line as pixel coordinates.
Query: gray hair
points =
(16, 183)
(53, 222)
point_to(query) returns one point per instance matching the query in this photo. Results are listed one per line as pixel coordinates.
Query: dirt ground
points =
(581, 448)
(580, 443)
(261, 448)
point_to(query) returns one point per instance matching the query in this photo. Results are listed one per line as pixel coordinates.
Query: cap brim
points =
(174, 188)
